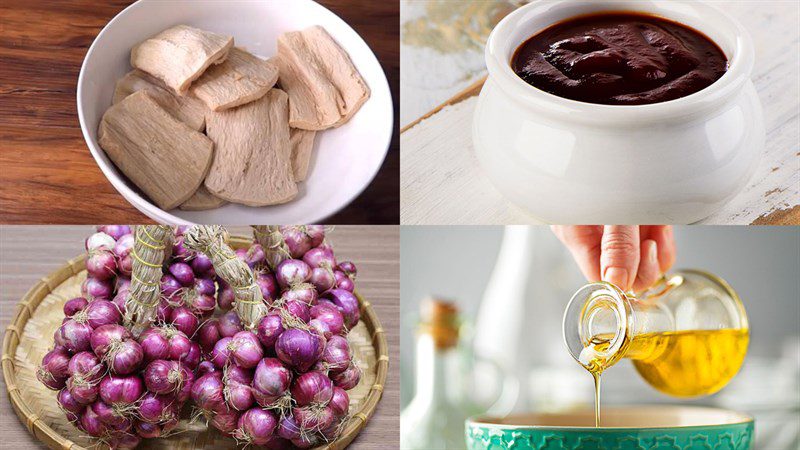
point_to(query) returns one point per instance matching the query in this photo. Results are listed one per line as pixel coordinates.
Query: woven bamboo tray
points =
(39, 314)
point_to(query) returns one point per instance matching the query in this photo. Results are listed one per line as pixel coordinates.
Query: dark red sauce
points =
(619, 59)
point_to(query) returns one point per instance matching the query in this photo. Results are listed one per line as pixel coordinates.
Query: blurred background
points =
(511, 286)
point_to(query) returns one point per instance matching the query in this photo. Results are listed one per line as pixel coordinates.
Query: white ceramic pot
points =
(574, 162)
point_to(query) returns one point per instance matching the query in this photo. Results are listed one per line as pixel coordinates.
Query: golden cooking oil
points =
(685, 363)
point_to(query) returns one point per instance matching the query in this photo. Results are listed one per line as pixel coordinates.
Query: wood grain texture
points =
(29, 253)
(48, 174)
(459, 193)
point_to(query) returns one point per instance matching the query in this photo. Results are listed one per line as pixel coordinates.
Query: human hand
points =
(629, 256)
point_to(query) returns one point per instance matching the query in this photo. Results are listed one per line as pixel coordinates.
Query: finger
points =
(583, 242)
(665, 240)
(619, 255)
(648, 271)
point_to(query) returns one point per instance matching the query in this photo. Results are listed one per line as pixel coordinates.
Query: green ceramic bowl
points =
(631, 428)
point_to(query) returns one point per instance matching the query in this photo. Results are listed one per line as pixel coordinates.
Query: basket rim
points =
(75, 266)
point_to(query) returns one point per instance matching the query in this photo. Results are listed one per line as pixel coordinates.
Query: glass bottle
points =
(434, 419)
(686, 336)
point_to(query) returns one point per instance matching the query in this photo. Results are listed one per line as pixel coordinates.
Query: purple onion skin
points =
(313, 418)
(347, 303)
(115, 231)
(205, 286)
(101, 264)
(183, 273)
(298, 348)
(124, 245)
(102, 312)
(154, 344)
(192, 357)
(106, 414)
(221, 354)
(343, 281)
(164, 377)
(299, 310)
(85, 364)
(125, 389)
(288, 428)
(183, 319)
(127, 359)
(271, 380)
(256, 426)
(95, 289)
(179, 250)
(202, 265)
(207, 392)
(74, 336)
(148, 430)
(91, 424)
(185, 391)
(206, 367)
(229, 324)
(124, 441)
(316, 233)
(269, 328)
(55, 368)
(170, 286)
(247, 351)
(225, 295)
(239, 396)
(68, 402)
(312, 388)
(340, 402)
(349, 269)
(100, 241)
(201, 305)
(303, 293)
(208, 334)
(154, 408)
(179, 344)
(103, 336)
(320, 327)
(82, 392)
(292, 271)
(120, 300)
(269, 288)
(336, 355)
(226, 420)
(296, 240)
(322, 279)
(348, 378)
(329, 314)
(320, 257)
(74, 305)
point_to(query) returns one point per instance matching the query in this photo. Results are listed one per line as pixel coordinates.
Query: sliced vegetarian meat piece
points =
(202, 200)
(302, 142)
(180, 55)
(325, 88)
(240, 79)
(252, 161)
(188, 110)
(161, 155)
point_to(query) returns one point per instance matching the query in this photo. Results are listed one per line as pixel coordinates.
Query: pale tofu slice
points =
(179, 55)
(161, 155)
(188, 110)
(240, 79)
(325, 88)
(202, 200)
(252, 161)
(302, 142)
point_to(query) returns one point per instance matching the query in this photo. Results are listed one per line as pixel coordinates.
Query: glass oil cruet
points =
(687, 335)
(434, 419)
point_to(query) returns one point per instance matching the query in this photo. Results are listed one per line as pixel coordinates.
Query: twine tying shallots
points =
(211, 240)
(271, 240)
(149, 253)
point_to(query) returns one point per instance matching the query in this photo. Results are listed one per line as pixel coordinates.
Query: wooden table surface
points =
(30, 253)
(48, 174)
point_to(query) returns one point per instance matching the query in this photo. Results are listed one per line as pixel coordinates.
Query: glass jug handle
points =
(509, 389)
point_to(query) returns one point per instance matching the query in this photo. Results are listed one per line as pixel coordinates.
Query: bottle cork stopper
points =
(440, 320)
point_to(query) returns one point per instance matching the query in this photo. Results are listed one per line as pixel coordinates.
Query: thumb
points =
(619, 255)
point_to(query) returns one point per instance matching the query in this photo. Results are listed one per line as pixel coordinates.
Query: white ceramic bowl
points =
(573, 162)
(345, 160)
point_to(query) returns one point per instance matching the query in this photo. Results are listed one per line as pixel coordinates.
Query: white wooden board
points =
(441, 182)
